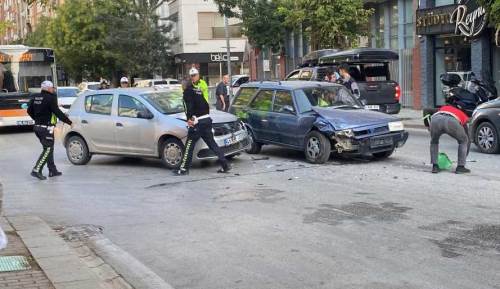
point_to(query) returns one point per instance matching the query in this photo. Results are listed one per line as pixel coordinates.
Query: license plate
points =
(25, 122)
(229, 141)
(372, 107)
(381, 141)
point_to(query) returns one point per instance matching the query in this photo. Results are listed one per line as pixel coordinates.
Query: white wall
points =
(188, 25)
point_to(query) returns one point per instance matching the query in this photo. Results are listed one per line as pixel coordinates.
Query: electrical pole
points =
(228, 47)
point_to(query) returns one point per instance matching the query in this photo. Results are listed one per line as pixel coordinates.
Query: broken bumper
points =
(371, 144)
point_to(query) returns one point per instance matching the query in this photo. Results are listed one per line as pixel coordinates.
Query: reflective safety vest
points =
(202, 85)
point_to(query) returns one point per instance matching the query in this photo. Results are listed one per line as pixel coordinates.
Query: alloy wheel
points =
(486, 138)
(75, 149)
(313, 147)
(173, 154)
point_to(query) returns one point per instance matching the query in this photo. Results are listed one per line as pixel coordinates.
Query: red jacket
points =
(457, 113)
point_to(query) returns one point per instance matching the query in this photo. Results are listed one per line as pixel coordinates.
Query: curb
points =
(58, 261)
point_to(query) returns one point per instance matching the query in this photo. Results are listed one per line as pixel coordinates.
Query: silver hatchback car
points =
(143, 122)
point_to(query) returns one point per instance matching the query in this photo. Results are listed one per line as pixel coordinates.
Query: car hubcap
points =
(173, 154)
(313, 147)
(486, 138)
(75, 150)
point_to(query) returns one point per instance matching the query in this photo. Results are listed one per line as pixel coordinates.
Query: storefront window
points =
(452, 54)
(409, 24)
(496, 66)
(444, 2)
(394, 25)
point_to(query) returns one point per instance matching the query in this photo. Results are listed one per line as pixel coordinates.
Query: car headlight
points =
(345, 133)
(396, 126)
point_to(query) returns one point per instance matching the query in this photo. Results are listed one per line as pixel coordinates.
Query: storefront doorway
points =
(452, 54)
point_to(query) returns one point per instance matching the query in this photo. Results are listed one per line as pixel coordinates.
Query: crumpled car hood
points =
(216, 116)
(351, 118)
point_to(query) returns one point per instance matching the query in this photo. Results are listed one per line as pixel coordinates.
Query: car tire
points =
(171, 152)
(317, 148)
(255, 147)
(486, 138)
(383, 155)
(77, 151)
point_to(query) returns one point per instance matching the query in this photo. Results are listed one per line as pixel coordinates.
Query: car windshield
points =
(160, 82)
(93, 86)
(67, 92)
(330, 96)
(166, 102)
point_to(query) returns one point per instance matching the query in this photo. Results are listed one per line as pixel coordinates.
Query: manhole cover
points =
(14, 263)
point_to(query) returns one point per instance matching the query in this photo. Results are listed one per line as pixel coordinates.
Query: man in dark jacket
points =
(222, 94)
(348, 81)
(199, 126)
(44, 110)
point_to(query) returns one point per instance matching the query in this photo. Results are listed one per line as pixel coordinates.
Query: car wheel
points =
(486, 138)
(172, 150)
(317, 148)
(254, 147)
(77, 151)
(383, 155)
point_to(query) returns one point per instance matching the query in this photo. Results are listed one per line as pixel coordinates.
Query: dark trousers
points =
(447, 124)
(46, 137)
(203, 130)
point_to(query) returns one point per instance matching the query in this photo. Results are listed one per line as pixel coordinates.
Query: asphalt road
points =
(280, 222)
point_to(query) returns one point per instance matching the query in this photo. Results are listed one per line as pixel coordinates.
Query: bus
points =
(22, 71)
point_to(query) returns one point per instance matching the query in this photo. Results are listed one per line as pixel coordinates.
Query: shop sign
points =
(218, 57)
(467, 19)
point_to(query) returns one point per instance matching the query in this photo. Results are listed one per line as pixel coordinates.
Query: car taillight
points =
(397, 95)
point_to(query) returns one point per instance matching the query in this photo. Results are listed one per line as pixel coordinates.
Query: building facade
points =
(22, 19)
(199, 28)
(449, 42)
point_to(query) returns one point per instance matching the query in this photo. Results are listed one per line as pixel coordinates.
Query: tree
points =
(4, 26)
(107, 38)
(329, 23)
(261, 22)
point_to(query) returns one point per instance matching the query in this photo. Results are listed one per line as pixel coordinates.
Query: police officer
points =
(198, 83)
(199, 126)
(124, 82)
(44, 110)
(348, 81)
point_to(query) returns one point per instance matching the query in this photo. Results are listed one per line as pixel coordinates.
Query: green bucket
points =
(444, 162)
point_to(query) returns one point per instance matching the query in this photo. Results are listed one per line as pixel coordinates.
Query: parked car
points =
(66, 95)
(369, 67)
(89, 85)
(159, 83)
(237, 81)
(142, 122)
(485, 127)
(315, 117)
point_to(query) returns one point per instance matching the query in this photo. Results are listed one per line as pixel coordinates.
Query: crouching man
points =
(450, 120)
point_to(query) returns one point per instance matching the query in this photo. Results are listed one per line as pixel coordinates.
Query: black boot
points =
(435, 169)
(38, 175)
(462, 170)
(226, 167)
(54, 174)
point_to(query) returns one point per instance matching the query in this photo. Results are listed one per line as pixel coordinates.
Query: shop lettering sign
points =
(469, 22)
(218, 57)
(467, 19)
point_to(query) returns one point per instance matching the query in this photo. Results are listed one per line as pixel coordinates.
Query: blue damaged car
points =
(315, 117)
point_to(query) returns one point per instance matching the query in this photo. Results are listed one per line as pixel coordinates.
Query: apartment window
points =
(394, 24)
(211, 26)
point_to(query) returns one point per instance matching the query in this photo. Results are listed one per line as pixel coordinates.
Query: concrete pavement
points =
(280, 222)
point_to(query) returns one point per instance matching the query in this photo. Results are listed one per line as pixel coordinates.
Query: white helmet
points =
(193, 71)
(124, 80)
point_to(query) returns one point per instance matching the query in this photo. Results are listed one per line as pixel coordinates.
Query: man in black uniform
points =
(44, 110)
(200, 126)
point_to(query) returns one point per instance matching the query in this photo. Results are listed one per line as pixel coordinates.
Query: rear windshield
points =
(160, 82)
(166, 102)
(244, 96)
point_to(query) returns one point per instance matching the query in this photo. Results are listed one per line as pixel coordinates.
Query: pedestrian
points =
(450, 120)
(44, 110)
(104, 84)
(331, 76)
(348, 81)
(222, 94)
(199, 126)
(124, 82)
(198, 83)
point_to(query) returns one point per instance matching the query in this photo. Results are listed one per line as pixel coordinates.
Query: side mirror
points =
(145, 114)
(288, 109)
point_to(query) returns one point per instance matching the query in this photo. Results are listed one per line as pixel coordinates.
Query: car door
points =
(98, 122)
(134, 127)
(285, 120)
(259, 117)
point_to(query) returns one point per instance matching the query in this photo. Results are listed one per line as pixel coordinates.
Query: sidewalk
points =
(412, 118)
